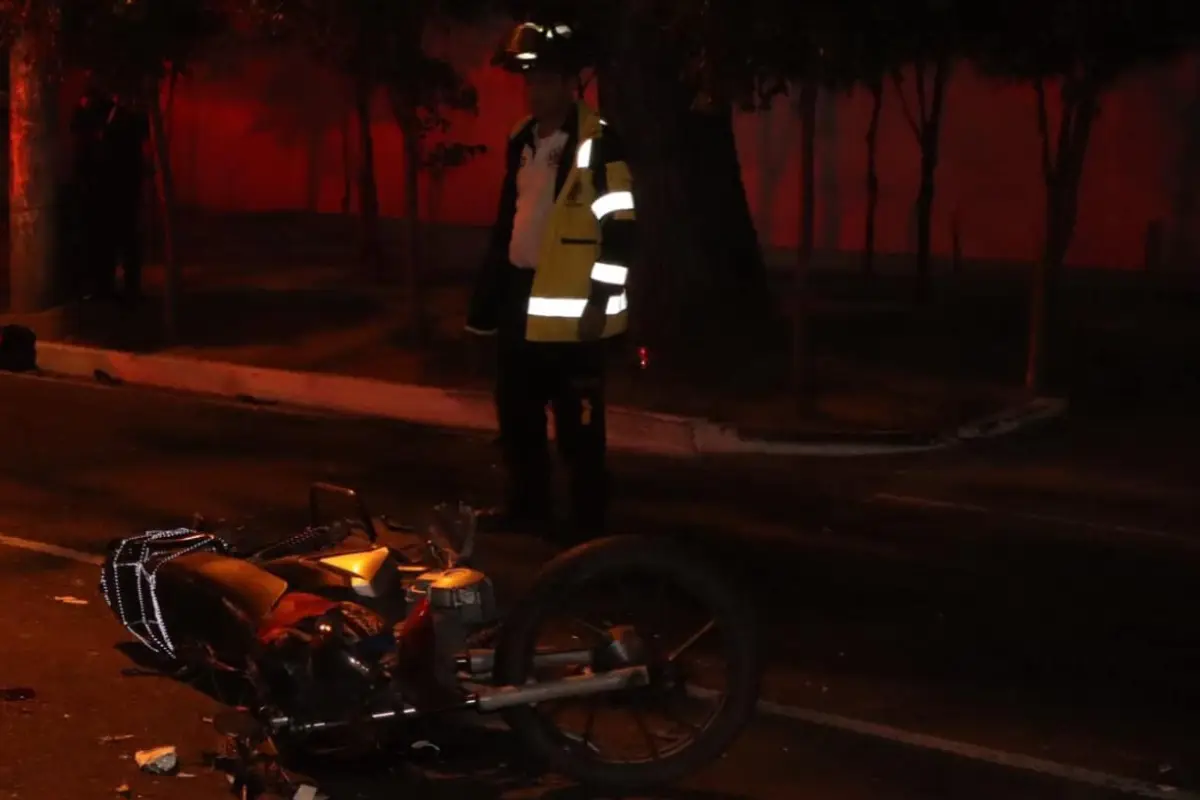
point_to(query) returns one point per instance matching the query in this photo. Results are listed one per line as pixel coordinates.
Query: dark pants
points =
(568, 377)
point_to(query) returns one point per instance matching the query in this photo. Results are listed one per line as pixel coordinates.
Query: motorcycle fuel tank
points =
(368, 569)
(370, 574)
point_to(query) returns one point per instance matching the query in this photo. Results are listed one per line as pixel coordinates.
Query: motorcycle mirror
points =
(452, 533)
(470, 523)
(319, 490)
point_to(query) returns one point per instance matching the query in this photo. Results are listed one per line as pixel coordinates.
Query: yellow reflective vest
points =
(588, 241)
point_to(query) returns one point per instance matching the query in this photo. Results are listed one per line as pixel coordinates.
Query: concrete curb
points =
(629, 429)
(713, 439)
(424, 405)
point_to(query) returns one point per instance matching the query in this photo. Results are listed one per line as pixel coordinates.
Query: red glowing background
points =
(265, 134)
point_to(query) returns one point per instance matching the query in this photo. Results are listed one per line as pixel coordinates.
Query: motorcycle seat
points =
(251, 589)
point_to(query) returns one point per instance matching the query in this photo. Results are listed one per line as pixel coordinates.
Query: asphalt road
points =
(1026, 599)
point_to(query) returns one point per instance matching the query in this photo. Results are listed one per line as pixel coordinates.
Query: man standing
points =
(87, 195)
(108, 179)
(126, 131)
(552, 287)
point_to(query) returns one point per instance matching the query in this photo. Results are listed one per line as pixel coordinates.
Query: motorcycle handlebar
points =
(314, 506)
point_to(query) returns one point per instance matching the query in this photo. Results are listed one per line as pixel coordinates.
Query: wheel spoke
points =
(589, 725)
(628, 603)
(691, 640)
(599, 632)
(640, 720)
(672, 716)
(556, 708)
(664, 622)
(660, 605)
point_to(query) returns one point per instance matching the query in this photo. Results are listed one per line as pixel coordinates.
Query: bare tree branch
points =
(922, 104)
(1043, 122)
(898, 82)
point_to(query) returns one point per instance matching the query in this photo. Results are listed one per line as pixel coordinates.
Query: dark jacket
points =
(501, 293)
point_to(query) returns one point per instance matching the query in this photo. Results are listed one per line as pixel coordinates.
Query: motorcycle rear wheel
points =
(609, 558)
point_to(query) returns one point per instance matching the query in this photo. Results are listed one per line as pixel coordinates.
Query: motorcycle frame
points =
(418, 637)
(490, 699)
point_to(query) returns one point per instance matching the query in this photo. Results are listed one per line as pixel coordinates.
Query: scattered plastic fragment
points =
(124, 791)
(124, 737)
(141, 672)
(71, 601)
(17, 694)
(425, 744)
(157, 761)
(306, 792)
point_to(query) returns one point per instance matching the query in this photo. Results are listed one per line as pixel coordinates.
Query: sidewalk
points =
(333, 345)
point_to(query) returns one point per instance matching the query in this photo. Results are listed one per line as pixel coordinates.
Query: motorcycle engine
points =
(326, 665)
(462, 601)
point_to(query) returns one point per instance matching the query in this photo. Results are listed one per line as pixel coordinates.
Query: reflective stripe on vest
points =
(583, 156)
(572, 307)
(612, 274)
(610, 203)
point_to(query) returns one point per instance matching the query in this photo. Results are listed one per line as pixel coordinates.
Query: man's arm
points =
(483, 315)
(617, 219)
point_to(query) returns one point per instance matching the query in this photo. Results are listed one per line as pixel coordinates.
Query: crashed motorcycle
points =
(357, 629)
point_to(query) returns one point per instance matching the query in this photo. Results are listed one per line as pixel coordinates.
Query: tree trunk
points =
(368, 192)
(1185, 199)
(314, 139)
(169, 107)
(868, 257)
(931, 136)
(165, 189)
(956, 256)
(347, 166)
(699, 281)
(1063, 173)
(802, 355)
(34, 268)
(412, 227)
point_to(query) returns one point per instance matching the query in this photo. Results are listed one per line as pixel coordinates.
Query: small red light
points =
(643, 357)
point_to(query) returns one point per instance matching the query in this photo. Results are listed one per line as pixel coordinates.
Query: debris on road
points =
(141, 672)
(124, 737)
(308, 792)
(124, 791)
(17, 694)
(157, 761)
(71, 601)
(425, 744)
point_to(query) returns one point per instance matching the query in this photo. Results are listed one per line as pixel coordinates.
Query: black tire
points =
(610, 557)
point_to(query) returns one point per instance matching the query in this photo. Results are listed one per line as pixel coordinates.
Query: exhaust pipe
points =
(490, 701)
(575, 686)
